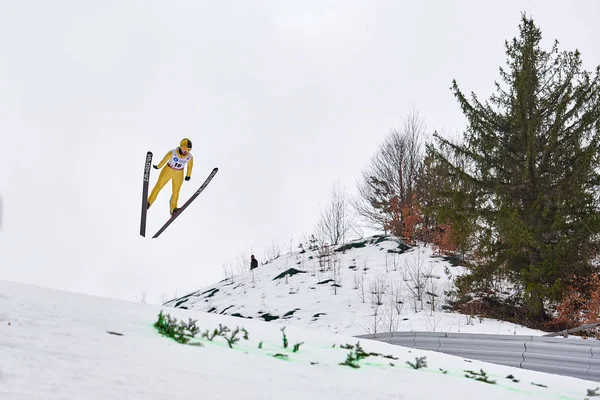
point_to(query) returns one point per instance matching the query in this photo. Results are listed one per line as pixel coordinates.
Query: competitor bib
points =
(177, 162)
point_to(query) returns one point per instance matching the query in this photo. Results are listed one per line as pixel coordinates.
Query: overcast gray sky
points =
(284, 97)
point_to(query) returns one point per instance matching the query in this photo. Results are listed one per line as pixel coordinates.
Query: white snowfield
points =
(57, 345)
(375, 285)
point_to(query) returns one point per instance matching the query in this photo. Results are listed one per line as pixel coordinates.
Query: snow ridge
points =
(375, 284)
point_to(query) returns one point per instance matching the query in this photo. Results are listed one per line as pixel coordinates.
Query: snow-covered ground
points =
(341, 293)
(60, 345)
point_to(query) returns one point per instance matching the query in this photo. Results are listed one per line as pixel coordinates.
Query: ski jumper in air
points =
(175, 161)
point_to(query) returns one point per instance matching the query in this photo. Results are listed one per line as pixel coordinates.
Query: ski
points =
(187, 203)
(146, 183)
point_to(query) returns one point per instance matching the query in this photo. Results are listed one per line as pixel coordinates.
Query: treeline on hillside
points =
(515, 199)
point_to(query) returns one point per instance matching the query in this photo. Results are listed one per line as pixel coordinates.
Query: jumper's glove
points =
(187, 178)
(155, 166)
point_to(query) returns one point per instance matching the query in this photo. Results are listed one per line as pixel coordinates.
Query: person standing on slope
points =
(175, 161)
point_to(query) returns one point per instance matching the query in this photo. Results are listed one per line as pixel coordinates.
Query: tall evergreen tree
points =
(532, 168)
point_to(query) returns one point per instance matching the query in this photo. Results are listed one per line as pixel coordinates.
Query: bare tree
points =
(227, 272)
(433, 292)
(432, 321)
(356, 278)
(209, 302)
(336, 219)
(142, 297)
(324, 255)
(392, 172)
(359, 284)
(273, 252)
(241, 262)
(415, 277)
(396, 296)
(375, 322)
(163, 298)
(391, 318)
(395, 261)
(392, 262)
(378, 288)
(336, 272)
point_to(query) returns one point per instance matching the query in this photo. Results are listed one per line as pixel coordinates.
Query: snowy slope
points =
(59, 345)
(377, 284)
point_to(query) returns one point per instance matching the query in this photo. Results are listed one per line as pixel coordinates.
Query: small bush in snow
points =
(420, 362)
(216, 332)
(297, 346)
(180, 332)
(351, 360)
(479, 376)
(593, 392)
(222, 331)
(355, 356)
(208, 335)
(362, 354)
(285, 341)
(233, 338)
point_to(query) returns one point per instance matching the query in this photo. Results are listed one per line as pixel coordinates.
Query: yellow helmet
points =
(187, 143)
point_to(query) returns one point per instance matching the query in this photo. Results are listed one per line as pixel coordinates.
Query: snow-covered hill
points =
(376, 284)
(60, 345)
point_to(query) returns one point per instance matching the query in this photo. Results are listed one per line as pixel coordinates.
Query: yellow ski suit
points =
(175, 162)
